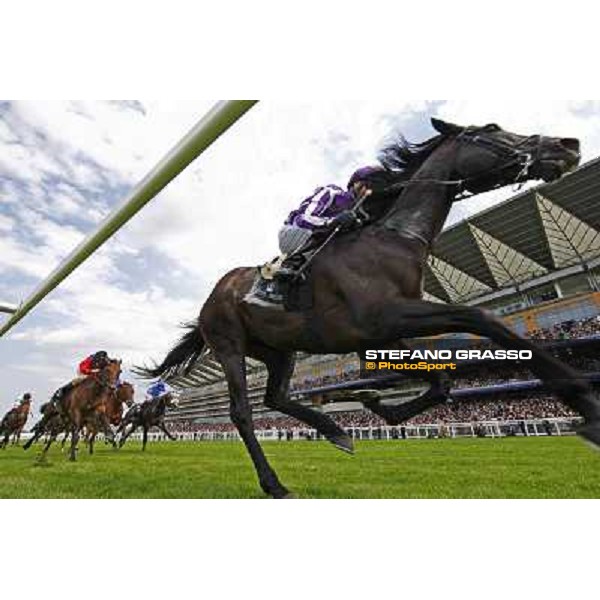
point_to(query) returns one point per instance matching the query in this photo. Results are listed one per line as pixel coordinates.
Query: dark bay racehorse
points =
(147, 415)
(14, 422)
(51, 421)
(367, 288)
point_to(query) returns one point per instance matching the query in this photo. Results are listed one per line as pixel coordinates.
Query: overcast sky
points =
(65, 165)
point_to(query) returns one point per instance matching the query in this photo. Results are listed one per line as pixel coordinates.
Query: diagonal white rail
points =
(218, 120)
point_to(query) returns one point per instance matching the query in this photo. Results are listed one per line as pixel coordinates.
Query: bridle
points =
(514, 156)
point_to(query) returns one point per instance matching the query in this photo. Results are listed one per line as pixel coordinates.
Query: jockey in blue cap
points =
(328, 208)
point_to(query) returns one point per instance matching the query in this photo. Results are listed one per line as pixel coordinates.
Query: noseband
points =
(512, 155)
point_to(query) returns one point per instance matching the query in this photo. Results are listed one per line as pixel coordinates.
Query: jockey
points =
(93, 363)
(158, 390)
(88, 366)
(21, 400)
(328, 208)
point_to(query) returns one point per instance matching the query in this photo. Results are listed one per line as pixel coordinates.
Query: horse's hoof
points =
(343, 443)
(591, 433)
(290, 496)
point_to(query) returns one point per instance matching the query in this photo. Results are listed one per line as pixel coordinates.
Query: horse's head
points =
(125, 393)
(171, 400)
(109, 375)
(488, 157)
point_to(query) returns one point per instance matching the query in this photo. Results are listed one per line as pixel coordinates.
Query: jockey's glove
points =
(345, 219)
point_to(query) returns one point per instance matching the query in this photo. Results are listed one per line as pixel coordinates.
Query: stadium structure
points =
(533, 260)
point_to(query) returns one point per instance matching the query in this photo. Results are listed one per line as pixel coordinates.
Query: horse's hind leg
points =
(164, 429)
(280, 366)
(234, 365)
(144, 439)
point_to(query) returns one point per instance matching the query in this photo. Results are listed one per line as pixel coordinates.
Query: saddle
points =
(297, 293)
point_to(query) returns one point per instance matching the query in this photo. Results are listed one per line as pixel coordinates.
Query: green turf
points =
(507, 468)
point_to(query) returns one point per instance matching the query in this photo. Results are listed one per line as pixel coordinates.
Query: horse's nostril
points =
(571, 144)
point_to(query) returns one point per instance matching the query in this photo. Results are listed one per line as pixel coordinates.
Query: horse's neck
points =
(421, 211)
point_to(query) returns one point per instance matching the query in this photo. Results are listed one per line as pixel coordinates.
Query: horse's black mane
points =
(402, 157)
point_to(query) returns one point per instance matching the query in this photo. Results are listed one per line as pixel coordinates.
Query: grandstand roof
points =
(547, 228)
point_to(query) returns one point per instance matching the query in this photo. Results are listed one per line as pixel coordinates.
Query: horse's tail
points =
(181, 357)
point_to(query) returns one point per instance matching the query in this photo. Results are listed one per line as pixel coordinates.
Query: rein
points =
(513, 157)
(512, 154)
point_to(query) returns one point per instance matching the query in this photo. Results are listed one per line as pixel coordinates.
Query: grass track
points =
(507, 468)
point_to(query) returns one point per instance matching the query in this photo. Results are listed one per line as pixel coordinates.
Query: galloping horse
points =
(86, 403)
(50, 422)
(114, 410)
(147, 415)
(367, 288)
(14, 422)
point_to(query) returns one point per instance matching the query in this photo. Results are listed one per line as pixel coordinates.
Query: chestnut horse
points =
(367, 288)
(114, 411)
(14, 422)
(84, 404)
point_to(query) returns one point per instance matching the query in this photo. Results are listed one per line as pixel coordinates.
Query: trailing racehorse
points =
(366, 288)
(14, 422)
(114, 411)
(147, 415)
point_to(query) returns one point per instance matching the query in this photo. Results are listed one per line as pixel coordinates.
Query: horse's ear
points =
(446, 128)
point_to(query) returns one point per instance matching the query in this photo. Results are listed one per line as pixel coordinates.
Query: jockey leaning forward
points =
(89, 366)
(329, 208)
(158, 390)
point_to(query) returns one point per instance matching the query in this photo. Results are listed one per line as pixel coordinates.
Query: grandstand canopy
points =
(545, 229)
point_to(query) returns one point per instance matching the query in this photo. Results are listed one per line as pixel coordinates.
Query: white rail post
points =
(218, 120)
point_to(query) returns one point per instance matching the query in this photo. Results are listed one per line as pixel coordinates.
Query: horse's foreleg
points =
(106, 428)
(33, 439)
(280, 367)
(126, 434)
(75, 429)
(234, 365)
(161, 425)
(144, 438)
(419, 319)
(438, 393)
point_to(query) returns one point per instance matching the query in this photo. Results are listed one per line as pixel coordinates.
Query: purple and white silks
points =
(319, 210)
